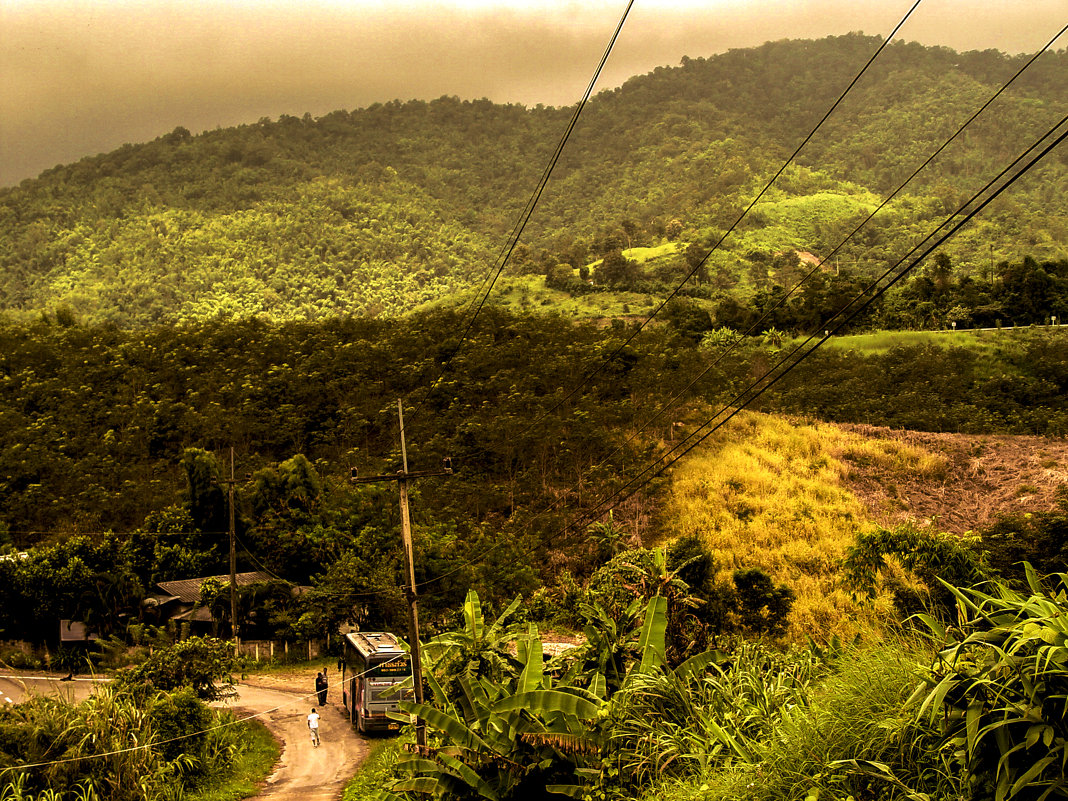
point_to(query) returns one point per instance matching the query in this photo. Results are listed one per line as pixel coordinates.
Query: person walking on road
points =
(321, 686)
(313, 726)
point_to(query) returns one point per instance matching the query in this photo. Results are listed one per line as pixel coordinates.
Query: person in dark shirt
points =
(321, 687)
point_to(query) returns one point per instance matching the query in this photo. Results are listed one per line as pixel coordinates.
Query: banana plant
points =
(527, 735)
(613, 644)
(479, 649)
(999, 686)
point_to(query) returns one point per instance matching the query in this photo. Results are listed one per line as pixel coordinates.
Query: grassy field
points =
(643, 255)
(767, 492)
(877, 342)
(529, 293)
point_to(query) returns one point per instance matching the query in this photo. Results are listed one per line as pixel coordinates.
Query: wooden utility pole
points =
(230, 482)
(402, 478)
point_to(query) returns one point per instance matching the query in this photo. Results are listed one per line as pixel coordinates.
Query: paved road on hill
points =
(14, 687)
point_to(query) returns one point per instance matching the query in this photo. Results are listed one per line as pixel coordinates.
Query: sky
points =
(81, 77)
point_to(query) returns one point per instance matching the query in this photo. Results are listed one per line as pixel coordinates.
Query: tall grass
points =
(822, 749)
(251, 762)
(110, 747)
(679, 723)
(376, 771)
(769, 493)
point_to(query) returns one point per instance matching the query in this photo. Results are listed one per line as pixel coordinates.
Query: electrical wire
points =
(782, 300)
(528, 210)
(866, 304)
(532, 202)
(753, 392)
(674, 292)
(757, 325)
(598, 510)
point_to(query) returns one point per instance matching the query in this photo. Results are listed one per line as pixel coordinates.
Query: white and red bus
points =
(374, 664)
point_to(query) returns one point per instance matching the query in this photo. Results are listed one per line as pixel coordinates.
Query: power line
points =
(812, 272)
(744, 401)
(674, 292)
(604, 362)
(815, 268)
(878, 293)
(528, 210)
(156, 743)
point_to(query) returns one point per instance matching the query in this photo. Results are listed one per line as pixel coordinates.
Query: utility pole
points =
(230, 482)
(402, 478)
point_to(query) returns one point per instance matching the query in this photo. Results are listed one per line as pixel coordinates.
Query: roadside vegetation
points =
(149, 735)
(960, 701)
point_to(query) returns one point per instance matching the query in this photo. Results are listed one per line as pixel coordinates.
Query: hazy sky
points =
(80, 77)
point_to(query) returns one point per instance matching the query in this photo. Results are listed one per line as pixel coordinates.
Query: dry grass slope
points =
(772, 493)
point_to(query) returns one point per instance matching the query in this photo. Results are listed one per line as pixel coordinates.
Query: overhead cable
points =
(517, 231)
(754, 390)
(757, 325)
(674, 292)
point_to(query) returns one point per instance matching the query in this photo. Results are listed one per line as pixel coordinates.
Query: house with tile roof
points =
(180, 601)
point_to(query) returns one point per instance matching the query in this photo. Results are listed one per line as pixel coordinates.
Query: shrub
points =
(96, 749)
(180, 720)
(684, 722)
(999, 684)
(929, 555)
(826, 746)
(1039, 538)
(19, 660)
(763, 607)
(203, 664)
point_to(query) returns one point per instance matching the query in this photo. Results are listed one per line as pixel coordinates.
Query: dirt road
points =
(304, 773)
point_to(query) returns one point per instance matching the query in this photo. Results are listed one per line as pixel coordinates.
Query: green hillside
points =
(378, 210)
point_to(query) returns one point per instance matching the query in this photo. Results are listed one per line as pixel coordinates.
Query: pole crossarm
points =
(400, 476)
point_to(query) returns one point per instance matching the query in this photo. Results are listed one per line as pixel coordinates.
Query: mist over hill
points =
(379, 210)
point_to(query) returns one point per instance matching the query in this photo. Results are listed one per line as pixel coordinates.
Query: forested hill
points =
(378, 210)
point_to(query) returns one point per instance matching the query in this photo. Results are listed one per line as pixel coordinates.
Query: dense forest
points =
(379, 210)
(96, 419)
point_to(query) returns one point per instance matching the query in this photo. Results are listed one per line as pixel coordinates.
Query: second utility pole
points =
(230, 482)
(402, 479)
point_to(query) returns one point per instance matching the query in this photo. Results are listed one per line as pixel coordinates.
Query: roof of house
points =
(188, 590)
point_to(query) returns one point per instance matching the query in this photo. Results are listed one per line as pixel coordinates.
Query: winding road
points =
(303, 772)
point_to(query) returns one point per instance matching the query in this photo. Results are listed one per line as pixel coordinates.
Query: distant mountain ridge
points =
(379, 210)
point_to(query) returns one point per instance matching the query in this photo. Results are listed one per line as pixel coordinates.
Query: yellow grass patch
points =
(767, 492)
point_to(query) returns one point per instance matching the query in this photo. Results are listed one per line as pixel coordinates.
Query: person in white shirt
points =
(313, 725)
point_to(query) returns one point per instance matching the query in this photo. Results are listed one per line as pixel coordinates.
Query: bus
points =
(373, 664)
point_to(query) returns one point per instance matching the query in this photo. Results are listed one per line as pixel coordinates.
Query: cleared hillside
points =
(791, 496)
